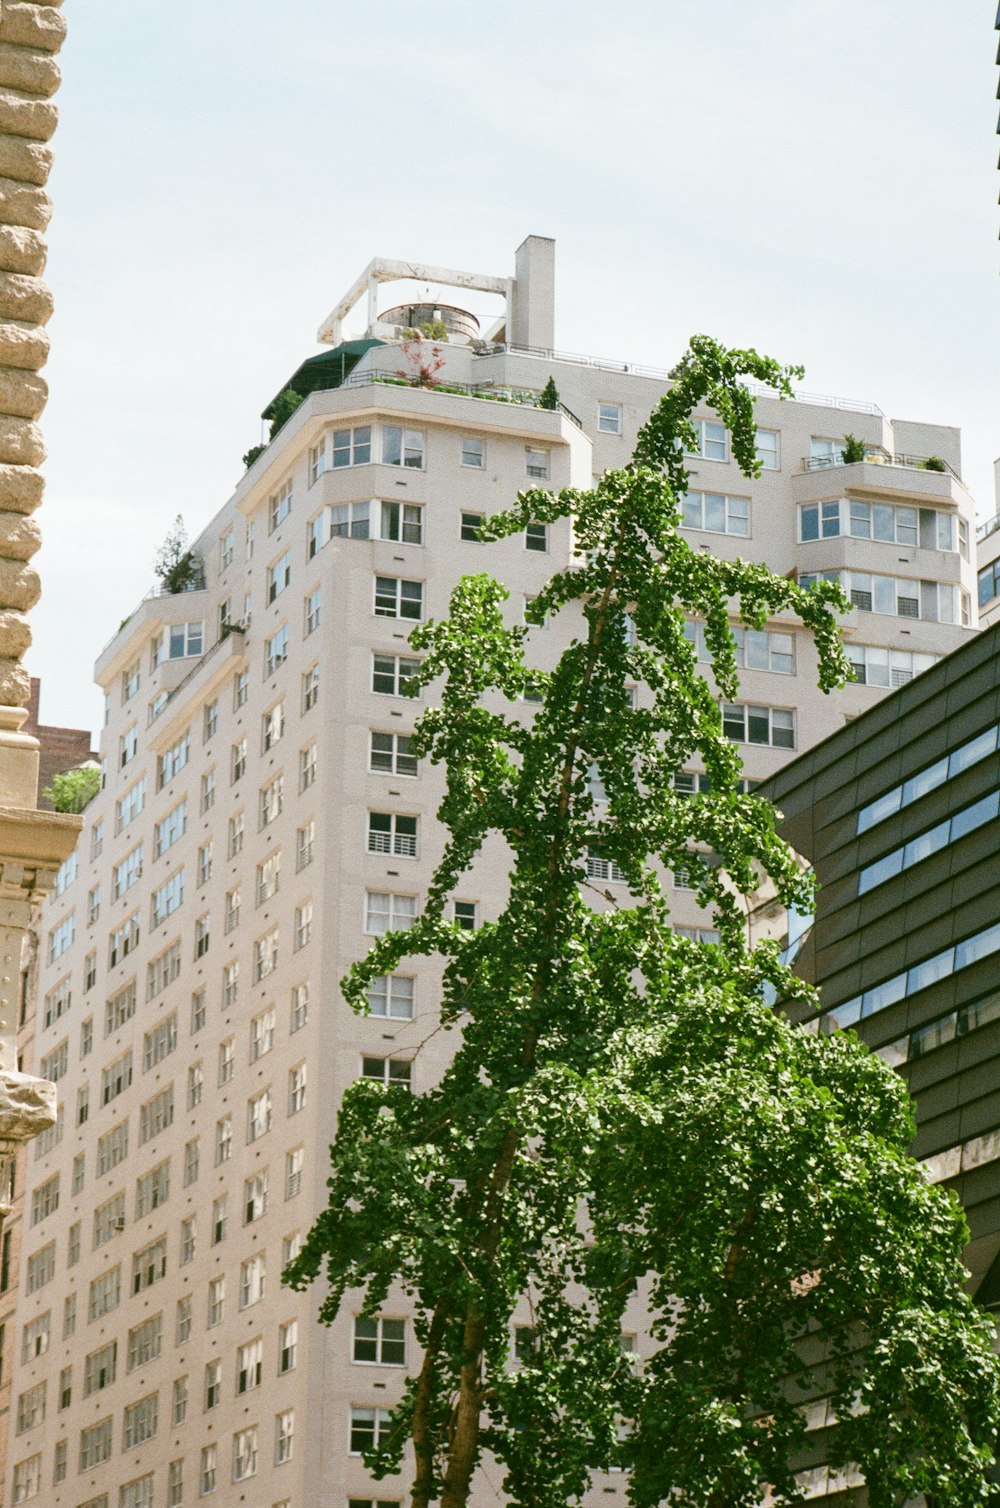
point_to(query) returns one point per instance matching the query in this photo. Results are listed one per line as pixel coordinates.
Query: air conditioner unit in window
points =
(118, 1224)
(908, 607)
(863, 600)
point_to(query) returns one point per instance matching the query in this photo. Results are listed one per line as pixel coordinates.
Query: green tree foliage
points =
(74, 789)
(549, 396)
(283, 408)
(175, 565)
(623, 1114)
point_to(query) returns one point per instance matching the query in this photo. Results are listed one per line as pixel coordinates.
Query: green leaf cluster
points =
(624, 1120)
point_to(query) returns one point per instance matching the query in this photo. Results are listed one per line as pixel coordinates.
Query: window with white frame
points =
(396, 598)
(272, 726)
(127, 808)
(245, 1453)
(402, 523)
(294, 1165)
(284, 1436)
(66, 874)
(303, 925)
(470, 526)
(223, 1139)
(156, 1115)
(166, 898)
(392, 674)
(108, 1220)
(901, 597)
(393, 1073)
(57, 1001)
(402, 447)
(167, 832)
(710, 440)
(876, 666)
(276, 650)
(188, 1241)
(204, 858)
(152, 1190)
(310, 688)
(748, 723)
(349, 520)
(392, 754)
(392, 996)
(268, 877)
(123, 939)
(238, 760)
(252, 1279)
(116, 1077)
(299, 1007)
(307, 766)
(232, 908)
(230, 982)
(96, 841)
(104, 1294)
(609, 418)
(235, 835)
(182, 1320)
(159, 1042)
(145, 1343)
(387, 911)
(756, 649)
(128, 746)
(254, 1197)
(305, 839)
(473, 452)
(368, 1427)
(199, 1010)
(149, 1265)
(716, 513)
(195, 1084)
(885, 523)
(112, 1148)
(227, 1060)
(61, 938)
(249, 1365)
(227, 549)
(54, 1064)
(271, 800)
(379, 1340)
(288, 1340)
(126, 872)
(768, 453)
(392, 833)
(138, 1493)
(241, 688)
(258, 1115)
(296, 1088)
(27, 1479)
(40, 1268)
(45, 1199)
(139, 1422)
(279, 576)
(536, 537)
(172, 761)
(208, 1472)
(279, 506)
(262, 1033)
(93, 905)
(219, 1219)
(352, 447)
(96, 1443)
(179, 642)
(311, 612)
(466, 915)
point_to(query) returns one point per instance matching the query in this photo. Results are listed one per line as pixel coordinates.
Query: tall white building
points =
(263, 817)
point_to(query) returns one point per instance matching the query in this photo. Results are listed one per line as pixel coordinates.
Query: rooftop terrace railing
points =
(881, 457)
(990, 527)
(488, 391)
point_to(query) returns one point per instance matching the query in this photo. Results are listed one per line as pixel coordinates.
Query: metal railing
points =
(990, 527)
(484, 391)
(879, 456)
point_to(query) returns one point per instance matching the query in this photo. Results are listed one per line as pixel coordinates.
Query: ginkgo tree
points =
(625, 1114)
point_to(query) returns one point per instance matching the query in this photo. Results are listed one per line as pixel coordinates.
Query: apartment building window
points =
(601, 868)
(35, 1337)
(398, 598)
(182, 1321)
(145, 1342)
(768, 449)
(139, 1422)
(279, 506)
(227, 1060)
(875, 666)
(310, 688)
(746, 723)
(393, 674)
(55, 1063)
(258, 1115)
(352, 447)
(235, 835)
(89, 980)
(241, 689)
(230, 983)
(160, 1042)
(112, 1148)
(192, 1151)
(156, 1115)
(254, 1197)
(466, 915)
(199, 1010)
(109, 1219)
(609, 418)
(172, 761)
(223, 1140)
(271, 800)
(179, 642)
(536, 462)
(57, 1001)
(759, 649)
(300, 1007)
(279, 576)
(402, 523)
(368, 1426)
(138, 1493)
(127, 808)
(227, 549)
(161, 971)
(220, 1219)
(123, 940)
(149, 1265)
(61, 938)
(304, 842)
(252, 1275)
(470, 527)
(188, 1243)
(392, 754)
(116, 1077)
(402, 447)
(216, 1301)
(79, 1161)
(710, 440)
(262, 1034)
(66, 874)
(40, 1268)
(166, 899)
(284, 1436)
(311, 612)
(27, 1479)
(288, 1339)
(307, 766)
(31, 1408)
(232, 911)
(167, 832)
(391, 996)
(60, 1462)
(388, 912)
(716, 513)
(392, 1073)
(179, 1392)
(95, 1444)
(294, 1165)
(272, 728)
(473, 452)
(536, 537)
(96, 841)
(249, 1366)
(276, 650)
(208, 1473)
(348, 521)
(238, 760)
(45, 1199)
(202, 935)
(152, 1190)
(207, 792)
(128, 746)
(265, 955)
(392, 833)
(245, 1454)
(380, 1340)
(296, 1089)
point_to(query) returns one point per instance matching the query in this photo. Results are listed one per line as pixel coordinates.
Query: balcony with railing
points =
(884, 474)
(877, 455)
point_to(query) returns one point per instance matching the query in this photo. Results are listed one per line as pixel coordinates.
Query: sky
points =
(817, 178)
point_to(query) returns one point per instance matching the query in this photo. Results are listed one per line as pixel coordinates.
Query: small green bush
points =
(74, 789)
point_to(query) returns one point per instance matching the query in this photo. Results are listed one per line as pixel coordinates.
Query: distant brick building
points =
(61, 748)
